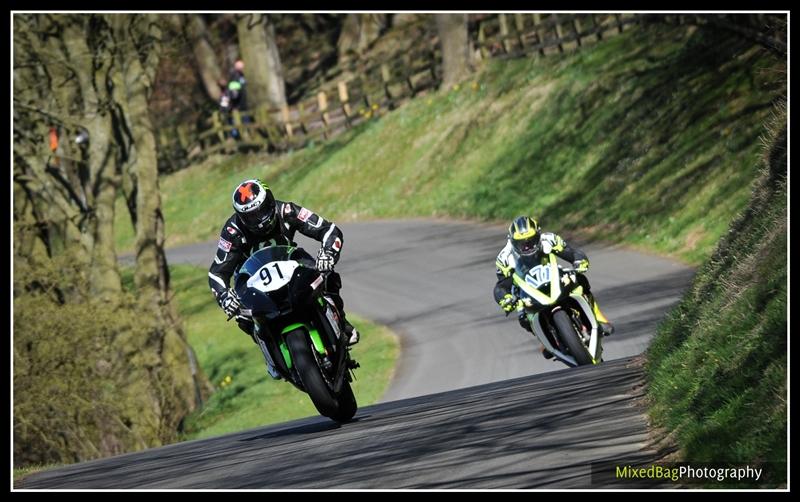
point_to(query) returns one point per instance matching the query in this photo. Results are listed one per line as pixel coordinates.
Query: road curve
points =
(539, 431)
(431, 282)
(472, 404)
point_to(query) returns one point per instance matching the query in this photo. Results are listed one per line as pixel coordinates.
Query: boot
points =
(352, 333)
(253, 332)
(273, 372)
(606, 328)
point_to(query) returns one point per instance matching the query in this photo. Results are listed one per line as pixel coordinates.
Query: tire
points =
(567, 333)
(347, 404)
(341, 407)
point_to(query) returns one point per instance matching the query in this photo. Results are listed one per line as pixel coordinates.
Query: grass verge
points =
(20, 473)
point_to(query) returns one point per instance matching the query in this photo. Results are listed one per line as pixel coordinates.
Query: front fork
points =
(271, 369)
(595, 347)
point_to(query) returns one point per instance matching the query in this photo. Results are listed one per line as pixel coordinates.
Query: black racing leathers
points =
(237, 243)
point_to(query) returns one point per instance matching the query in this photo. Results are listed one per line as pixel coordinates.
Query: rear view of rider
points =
(259, 221)
(527, 241)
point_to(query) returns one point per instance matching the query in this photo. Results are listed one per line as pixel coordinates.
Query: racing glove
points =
(229, 302)
(324, 261)
(508, 303)
(581, 266)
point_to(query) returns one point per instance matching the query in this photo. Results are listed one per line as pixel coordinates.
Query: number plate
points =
(538, 275)
(274, 275)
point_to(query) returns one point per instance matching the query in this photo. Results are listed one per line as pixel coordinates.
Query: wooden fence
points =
(362, 91)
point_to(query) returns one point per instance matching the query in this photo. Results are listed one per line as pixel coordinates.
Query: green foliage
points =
(717, 367)
(21, 473)
(245, 395)
(649, 138)
(70, 377)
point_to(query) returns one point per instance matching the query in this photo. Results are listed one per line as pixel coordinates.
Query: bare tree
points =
(204, 56)
(359, 31)
(456, 54)
(91, 75)
(265, 79)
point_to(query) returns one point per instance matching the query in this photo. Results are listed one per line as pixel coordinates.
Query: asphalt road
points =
(473, 405)
(431, 282)
(540, 431)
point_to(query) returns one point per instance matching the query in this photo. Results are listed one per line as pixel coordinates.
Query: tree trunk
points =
(456, 57)
(401, 19)
(265, 80)
(151, 276)
(204, 56)
(93, 77)
(359, 31)
(94, 73)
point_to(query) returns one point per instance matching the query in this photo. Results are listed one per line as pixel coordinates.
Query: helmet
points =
(524, 235)
(255, 205)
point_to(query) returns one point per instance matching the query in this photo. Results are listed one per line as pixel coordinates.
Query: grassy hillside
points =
(650, 138)
(717, 367)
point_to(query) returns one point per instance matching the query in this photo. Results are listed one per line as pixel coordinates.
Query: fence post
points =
(481, 42)
(344, 99)
(301, 108)
(597, 27)
(322, 101)
(519, 24)
(386, 77)
(432, 52)
(216, 121)
(287, 122)
(237, 122)
(264, 119)
(366, 99)
(576, 28)
(504, 32)
(408, 65)
(183, 137)
(537, 20)
(559, 35)
(163, 141)
(619, 22)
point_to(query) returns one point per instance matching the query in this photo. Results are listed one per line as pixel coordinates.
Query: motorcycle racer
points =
(526, 241)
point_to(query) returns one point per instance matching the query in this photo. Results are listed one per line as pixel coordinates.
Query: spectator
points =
(237, 75)
(226, 105)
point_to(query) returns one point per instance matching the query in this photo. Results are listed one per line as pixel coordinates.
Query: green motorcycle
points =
(298, 327)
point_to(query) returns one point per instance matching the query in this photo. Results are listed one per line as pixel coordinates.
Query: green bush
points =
(78, 389)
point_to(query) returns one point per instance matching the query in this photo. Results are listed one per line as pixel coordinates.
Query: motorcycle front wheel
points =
(567, 333)
(340, 407)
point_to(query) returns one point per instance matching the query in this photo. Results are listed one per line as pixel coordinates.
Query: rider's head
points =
(524, 235)
(255, 206)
